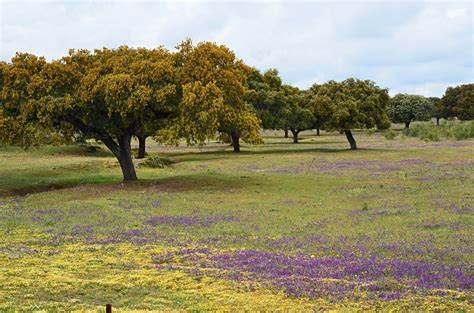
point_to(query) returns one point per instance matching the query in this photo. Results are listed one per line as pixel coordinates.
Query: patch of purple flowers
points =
(330, 277)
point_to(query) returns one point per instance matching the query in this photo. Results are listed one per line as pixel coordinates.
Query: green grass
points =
(61, 208)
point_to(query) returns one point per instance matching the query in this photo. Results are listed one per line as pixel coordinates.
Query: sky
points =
(416, 47)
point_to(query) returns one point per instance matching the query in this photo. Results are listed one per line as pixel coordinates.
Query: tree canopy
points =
(266, 95)
(458, 102)
(212, 84)
(406, 108)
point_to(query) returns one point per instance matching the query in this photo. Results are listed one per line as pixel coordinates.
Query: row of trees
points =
(457, 102)
(341, 106)
(193, 93)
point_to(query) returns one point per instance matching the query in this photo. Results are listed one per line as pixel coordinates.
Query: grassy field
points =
(278, 226)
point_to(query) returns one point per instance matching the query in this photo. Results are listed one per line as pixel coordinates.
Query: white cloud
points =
(407, 47)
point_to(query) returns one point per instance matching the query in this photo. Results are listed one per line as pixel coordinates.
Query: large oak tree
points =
(107, 95)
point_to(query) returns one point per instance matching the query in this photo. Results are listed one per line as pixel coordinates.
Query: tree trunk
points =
(437, 121)
(317, 131)
(123, 153)
(351, 139)
(286, 133)
(295, 135)
(125, 158)
(407, 125)
(235, 142)
(141, 146)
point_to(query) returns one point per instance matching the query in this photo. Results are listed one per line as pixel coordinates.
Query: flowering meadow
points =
(308, 226)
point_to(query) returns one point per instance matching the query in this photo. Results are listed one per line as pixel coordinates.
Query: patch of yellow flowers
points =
(79, 277)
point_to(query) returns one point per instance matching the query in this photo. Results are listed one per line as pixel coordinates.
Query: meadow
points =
(308, 226)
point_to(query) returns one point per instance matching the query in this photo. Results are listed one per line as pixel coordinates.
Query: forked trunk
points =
(295, 135)
(235, 142)
(123, 153)
(351, 139)
(141, 146)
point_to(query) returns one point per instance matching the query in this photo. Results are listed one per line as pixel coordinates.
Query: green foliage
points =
(406, 108)
(458, 102)
(352, 103)
(156, 162)
(295, 115)
(267, 96)
(390, 135)
(447, 129)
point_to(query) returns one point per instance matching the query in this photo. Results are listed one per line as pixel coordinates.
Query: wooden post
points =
(108, 308)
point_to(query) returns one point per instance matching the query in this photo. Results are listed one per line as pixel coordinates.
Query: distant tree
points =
(213, 87)
(458, 102)
(106, 95)
(353, 103)
(295, 116)
(435, 101)
(267, 97)
(316, 102)
(406, 108)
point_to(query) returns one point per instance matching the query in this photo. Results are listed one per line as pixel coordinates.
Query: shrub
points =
(447, 129)
(390, 135)
(156, 162)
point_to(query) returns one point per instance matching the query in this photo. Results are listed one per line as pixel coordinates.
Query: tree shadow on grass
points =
(228, 153)
(93, 188)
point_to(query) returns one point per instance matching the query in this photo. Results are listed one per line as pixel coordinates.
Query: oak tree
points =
(458, 102)
(213, 87)
(353, 103)
(405, 108)
(106, 95)
(296, 116)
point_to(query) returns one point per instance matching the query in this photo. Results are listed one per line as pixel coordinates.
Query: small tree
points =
(353, 103)
(458, 102)
(295, 116)
(316, 103)
(406, 108)
(435, 101)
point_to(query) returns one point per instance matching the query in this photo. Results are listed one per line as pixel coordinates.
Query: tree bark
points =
(235, 142)
(141, 146)
(351, 139)
(286, 133)
(407, 125)
(317, 131)
(295, 135)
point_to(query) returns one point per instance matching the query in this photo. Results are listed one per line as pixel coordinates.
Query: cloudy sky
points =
(407, 46)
